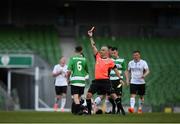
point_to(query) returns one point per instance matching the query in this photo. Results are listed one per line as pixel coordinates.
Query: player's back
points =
(79, 69)
(78, 65)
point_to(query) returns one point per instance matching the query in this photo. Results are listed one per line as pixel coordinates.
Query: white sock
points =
(56, 100)
(85, 103)
(132, 102)
(108, 105)
(63, 102)
(141, 102)
(97, 101)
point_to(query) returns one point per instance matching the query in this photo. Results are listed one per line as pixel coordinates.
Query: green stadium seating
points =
(41, 40)
(162, 55)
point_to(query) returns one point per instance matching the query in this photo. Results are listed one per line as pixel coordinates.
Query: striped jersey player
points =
(121, 66)
(78, 70)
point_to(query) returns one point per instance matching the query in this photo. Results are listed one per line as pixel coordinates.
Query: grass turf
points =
(47, 117)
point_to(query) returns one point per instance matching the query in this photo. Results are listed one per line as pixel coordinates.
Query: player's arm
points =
(56, 73)
(127, 75)
(119, 76)
(146, 72)
(90, 33)
(117, 72)
(86, 67)
(126, 72)
(69, 68)
(68, 74)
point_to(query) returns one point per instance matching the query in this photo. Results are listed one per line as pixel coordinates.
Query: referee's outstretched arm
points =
(90, 34)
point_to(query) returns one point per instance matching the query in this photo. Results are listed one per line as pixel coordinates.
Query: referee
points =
(101, 85)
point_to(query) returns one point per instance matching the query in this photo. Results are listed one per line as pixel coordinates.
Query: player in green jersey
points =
(77, 69)
(121, 66)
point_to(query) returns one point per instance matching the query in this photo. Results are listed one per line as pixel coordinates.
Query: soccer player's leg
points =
(117, 101)
(133, 91)
(76, 100)
(98, 104)
(141, 93)
(118, 92)
(73, 106)
(102, 92)
(114, 84)
(109, 104)
(63, 98)
(91, 91)
(88, 101)
(111, 100)
(58, 97)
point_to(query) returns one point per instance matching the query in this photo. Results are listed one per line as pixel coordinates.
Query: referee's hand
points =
(90, 32)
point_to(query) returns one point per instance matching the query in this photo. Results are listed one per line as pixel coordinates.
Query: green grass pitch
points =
(49, 117)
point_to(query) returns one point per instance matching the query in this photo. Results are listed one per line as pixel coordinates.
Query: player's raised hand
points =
(90, 32)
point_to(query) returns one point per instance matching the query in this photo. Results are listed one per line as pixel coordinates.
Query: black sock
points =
(81, 101)
(89, 105)
(73, 107)
(77, 108)
(119, 106)
(113, 105)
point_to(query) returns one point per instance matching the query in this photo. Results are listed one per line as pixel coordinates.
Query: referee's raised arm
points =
(90, 34)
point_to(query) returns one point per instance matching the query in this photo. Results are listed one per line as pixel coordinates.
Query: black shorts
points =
(77, 90)
(138, 89)
(60, 89)
(116, 90)
(101, 87)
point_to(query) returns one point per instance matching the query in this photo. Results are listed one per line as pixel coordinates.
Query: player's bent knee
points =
(133, 95)
(63, 95)
(142, 98)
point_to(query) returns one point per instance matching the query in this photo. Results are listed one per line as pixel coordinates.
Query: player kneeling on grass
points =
(101, 85)
(77, 71)
(137, 70)
(60, 73)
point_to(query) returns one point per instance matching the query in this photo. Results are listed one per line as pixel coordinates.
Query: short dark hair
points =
(136, 51)
(110, 47)
(114, 48)
(78, 49)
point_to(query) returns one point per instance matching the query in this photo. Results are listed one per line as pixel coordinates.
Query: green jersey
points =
(121, 66)
(79, 70)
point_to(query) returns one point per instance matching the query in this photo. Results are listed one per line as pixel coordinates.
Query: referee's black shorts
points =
(138, 89)
(100, 86)
(115, 89)
(60, 90)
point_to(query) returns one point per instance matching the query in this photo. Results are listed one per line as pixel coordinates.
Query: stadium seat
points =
(41, 40)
